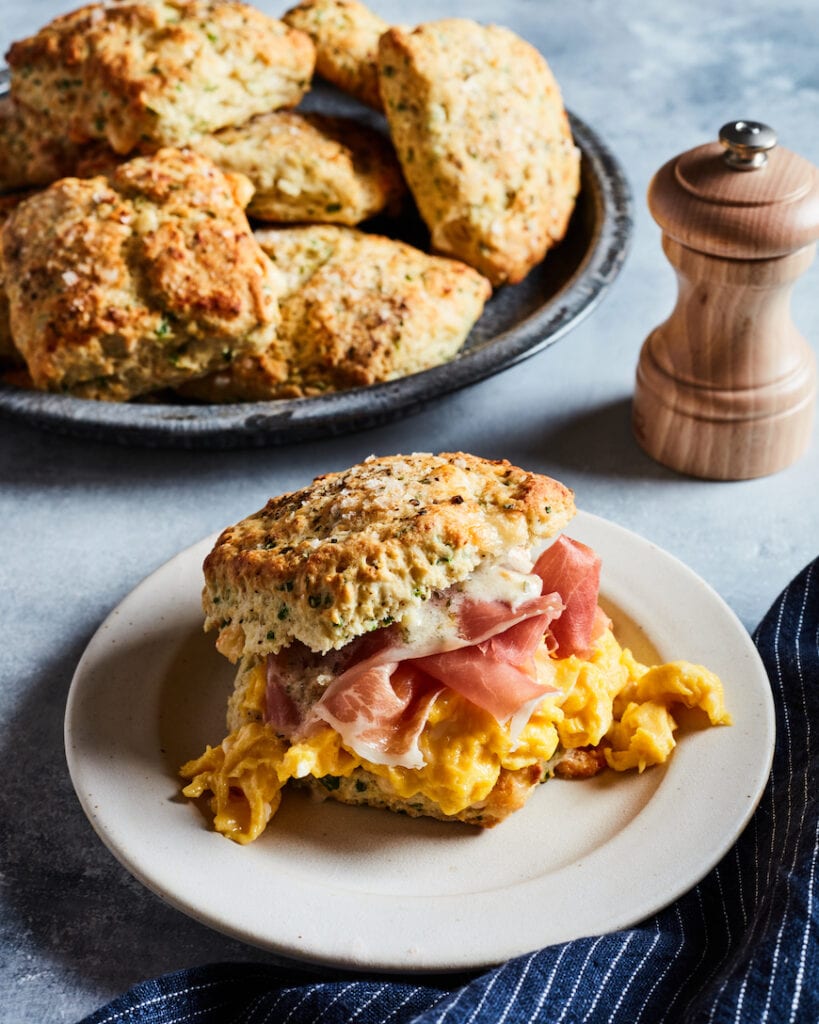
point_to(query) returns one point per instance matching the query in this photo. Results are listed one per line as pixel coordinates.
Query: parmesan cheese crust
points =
(358, 309)
(310, 167)
(356, 550)
(345, 34)
(118, 286)
(484, 141)
(161, 72)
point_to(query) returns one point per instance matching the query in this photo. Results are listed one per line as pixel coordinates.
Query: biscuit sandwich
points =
(406, 640)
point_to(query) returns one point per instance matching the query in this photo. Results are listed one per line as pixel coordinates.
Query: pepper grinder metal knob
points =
(726, 387)
(746, 144)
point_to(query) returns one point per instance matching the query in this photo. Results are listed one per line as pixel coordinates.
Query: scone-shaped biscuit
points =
(160, 72)
(9, 353)
(29, 154)
(345, 34)
(309, 167)
(121, 285)
(484, 142)
(362, 548)
(31, 157)
(358, 309)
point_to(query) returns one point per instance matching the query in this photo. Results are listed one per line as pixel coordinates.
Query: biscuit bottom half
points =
(608, 710)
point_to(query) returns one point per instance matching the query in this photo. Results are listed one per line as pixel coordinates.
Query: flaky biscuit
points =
(345, 34)
(484, 141)
(358, 309)
(10, 356)
(309, 167)
(29, 154)
(359, 549)
(161, 72)
(118, 286)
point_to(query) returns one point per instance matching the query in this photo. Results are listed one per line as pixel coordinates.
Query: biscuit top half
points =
(361, 549)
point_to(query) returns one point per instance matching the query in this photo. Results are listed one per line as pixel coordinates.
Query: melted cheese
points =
(433, 625)
(609, 698)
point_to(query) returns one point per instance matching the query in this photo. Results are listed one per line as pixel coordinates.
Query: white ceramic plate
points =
(360, 888)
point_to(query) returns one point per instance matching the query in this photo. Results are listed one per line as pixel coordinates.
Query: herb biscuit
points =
(484, 141)
(345, 34)
(358, 549)
(358, 309)
(121, 285)
(29, 154)
(310, 167)
(158, 72)
(9, 355)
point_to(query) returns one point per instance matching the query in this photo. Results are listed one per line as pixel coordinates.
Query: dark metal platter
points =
(517, 322)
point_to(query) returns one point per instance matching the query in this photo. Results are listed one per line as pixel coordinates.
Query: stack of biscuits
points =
(170, 221)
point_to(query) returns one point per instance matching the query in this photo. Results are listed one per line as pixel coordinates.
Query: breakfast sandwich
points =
(309, 167)
(410, 636)
(345, 34)
(356, 309)
(124, 284)
(158, 72)
(484, 141)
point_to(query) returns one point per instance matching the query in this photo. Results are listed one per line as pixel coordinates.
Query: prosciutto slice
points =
(380, 698)
(498, 674)
(380, 711)
(280, 708)
(573, 569)
(379, 704)
(481, 620)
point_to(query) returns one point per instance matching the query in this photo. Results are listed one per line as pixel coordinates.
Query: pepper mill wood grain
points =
(726, 387)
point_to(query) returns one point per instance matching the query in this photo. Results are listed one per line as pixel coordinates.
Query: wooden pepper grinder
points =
(726, 386)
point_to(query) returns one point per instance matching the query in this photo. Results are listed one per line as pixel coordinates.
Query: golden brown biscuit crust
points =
(10, 357)
(161, 72)
(581, 762)
(484, 142)
(345, 34)
(358, 309)
(118, 286)
(358, 549)
(29, 154)
(310, 167)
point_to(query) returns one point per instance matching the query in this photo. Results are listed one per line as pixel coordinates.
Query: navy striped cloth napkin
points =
(742, 946)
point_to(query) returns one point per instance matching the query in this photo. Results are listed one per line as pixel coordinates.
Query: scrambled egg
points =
(609, 699)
